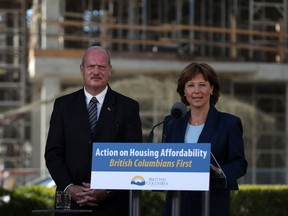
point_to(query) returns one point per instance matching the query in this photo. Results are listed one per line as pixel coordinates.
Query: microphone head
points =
(178, 110)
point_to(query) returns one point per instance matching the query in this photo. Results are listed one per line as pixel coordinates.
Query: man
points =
(68, 151)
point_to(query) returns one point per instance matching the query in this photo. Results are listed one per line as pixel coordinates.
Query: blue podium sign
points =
(151, 166)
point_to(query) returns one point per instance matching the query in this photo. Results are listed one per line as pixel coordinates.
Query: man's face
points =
(96, 71)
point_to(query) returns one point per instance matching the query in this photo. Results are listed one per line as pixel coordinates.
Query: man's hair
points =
(97, 48)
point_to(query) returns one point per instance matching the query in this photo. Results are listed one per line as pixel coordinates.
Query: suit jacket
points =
(224, 131)
(68, 150)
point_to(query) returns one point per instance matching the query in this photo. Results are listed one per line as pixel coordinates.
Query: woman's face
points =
(198, 92)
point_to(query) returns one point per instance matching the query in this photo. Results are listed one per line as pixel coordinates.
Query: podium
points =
(150, 166)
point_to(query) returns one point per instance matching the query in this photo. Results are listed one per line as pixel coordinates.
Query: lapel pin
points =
(108, 109)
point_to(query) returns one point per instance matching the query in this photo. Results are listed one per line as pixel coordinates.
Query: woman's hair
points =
(209, 75)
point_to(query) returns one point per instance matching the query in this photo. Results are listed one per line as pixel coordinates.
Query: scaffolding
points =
(268, 16)
(14, 145)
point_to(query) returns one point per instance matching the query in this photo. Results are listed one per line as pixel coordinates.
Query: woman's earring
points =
(211, 93)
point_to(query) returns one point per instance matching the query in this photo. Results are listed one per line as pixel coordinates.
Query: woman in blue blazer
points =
(198, 87)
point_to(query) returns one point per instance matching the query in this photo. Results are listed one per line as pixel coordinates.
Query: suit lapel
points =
(82, 110)
(181, 128)
(210, 125)
(108, 108)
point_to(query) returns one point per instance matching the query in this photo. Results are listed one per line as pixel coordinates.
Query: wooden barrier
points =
(166, 35)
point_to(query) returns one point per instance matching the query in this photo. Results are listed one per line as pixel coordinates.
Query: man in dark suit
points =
(68, 150)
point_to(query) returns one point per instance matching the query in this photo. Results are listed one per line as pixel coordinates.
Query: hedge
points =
(250, 200)
(260, 200)
(23, 200)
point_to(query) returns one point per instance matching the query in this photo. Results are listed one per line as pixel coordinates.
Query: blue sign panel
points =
(151, 157)
(151, 166)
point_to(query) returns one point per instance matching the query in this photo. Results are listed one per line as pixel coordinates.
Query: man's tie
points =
(92, 109)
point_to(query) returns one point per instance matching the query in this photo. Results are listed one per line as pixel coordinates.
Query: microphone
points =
(177, 111)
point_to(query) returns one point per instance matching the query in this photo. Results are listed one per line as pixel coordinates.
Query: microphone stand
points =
(206, 203)
(135, 195)
(151, 135)
(177, 111)
(135, 200)
(176, 114)
(175, 208)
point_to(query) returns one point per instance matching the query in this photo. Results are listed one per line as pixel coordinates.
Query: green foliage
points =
(23, 200)
(250, 200)
(260, 200)
(152, 203)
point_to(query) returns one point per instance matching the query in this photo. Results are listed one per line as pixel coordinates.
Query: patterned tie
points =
(92, 109)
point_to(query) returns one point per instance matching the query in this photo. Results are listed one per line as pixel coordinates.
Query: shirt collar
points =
(100, 97)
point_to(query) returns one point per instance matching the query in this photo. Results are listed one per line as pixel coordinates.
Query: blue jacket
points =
(224, 131)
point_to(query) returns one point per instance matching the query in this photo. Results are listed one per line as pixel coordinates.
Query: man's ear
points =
(81, 70)
(110, 71)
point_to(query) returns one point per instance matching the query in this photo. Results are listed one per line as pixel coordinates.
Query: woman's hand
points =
(216, 169)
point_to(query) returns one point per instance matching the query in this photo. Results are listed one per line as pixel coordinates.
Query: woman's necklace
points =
(198, 117)
(197, 122)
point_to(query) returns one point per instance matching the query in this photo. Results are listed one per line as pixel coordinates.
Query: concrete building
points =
(150, 44)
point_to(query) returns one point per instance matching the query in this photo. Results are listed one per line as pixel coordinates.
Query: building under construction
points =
(42, 42)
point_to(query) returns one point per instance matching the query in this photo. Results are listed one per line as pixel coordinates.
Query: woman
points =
(198, 87)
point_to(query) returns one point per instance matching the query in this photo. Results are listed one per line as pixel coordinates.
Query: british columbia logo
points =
(138, 180)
